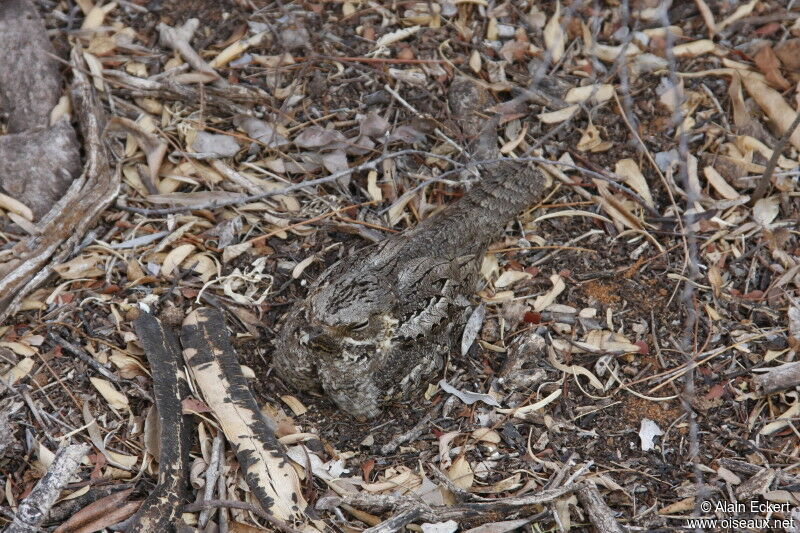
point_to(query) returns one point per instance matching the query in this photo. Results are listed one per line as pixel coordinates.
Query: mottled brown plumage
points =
(377, 325)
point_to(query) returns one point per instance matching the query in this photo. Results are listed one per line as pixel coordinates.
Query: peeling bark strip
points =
(65, 224)
(215, 368)
(162, 507)
(35, 508)
(37, 160)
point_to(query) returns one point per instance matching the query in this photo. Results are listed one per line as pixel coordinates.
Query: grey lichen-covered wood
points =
(33, 510)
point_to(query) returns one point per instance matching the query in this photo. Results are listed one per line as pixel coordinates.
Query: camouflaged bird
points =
(378, 324)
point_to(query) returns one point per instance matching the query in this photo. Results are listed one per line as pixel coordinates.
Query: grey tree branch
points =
(33, 510)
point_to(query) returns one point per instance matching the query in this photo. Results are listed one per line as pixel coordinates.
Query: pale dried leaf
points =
(608, 341)
(694, 48)
(216, 144)
(648, 431)
(236, 49)
(375, 192)
(15, 206)
(773, 104)
(115, 399)
(783, 420)
(411, 76)
(294, 404)
(597, 92)
(317, 137)
(554, 117)
(472, 328)
(83, 266)
(521, 412)
(300, 267)
(461, 473)
(233, 251)
(486, 435)
(475, 62)
(554, 37)
(630, 172)
(510, 277)
(18, 371)
(766, 210)
(175, 257)
(96, 16)
(397, 36)
(740, 13)
(468, 397)
(261, 131)
(544, 300)
(19, 348)
(374, 125)
(719, 184)
(451, 526)
(794, 319)
(335, 161)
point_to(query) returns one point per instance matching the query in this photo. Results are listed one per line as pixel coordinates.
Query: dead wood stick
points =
(223, 99)
(418, 429)
(749, 469)
(85, 357)
(599, 513)
(34, 509)
(379, 503)
(396, 522)
(212, 473)
(280, 525)
(65, 224)
(780, 378)
(178, 39)
(162, 507)
(65, 509)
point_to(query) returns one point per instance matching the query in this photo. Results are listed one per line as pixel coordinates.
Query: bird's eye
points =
(358, 326)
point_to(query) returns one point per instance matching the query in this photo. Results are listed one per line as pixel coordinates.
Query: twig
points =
(370, 165)
(442, 513)
(212, 472)
(764, 180)
(396, 522)
(599, 513)
(178, 39)
(34, 509)
(69, 219)
(460, 494)
(83, 356)
(783, 377)
(389, 60)
(411, 434)
(231, 504)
